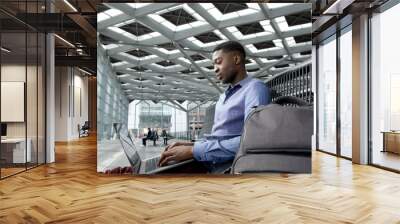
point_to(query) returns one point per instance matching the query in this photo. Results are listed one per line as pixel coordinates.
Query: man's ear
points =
(237, 59)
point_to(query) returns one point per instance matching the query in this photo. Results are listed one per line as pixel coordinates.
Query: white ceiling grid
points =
(163, 51)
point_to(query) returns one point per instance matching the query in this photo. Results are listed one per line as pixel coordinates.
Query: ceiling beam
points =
(274, 25)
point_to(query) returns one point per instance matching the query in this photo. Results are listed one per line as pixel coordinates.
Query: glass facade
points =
(158, 116)
(346, 92)
(335, 94)
(196, 119)
(385, 89)
(327, 95)
(155, 116)
(22, 87)
(178, 123)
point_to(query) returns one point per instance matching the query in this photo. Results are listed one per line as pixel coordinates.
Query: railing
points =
(181, 135)
(296, 82)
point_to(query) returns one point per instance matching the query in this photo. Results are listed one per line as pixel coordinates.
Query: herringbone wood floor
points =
(70, 191)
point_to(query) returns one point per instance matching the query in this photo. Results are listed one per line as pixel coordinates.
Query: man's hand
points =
(176, 153)
(178, 144)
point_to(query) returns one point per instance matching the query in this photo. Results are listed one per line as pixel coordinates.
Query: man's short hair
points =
(230, 46)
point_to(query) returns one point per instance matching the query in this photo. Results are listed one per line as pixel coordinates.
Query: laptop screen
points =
(131, 153)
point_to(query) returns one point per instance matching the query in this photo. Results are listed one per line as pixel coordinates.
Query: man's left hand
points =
(177, 153)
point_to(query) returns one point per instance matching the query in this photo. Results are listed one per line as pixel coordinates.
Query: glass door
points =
(327, 95)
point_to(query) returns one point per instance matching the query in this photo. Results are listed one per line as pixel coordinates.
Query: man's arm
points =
(216, 151)
(258, 94)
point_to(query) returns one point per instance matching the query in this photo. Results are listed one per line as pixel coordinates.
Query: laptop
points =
(145, 166)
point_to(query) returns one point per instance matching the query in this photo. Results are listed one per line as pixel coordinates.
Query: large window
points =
(327, 95)
(329, 112)
(385, 84)
(346, 92)
(158, 116)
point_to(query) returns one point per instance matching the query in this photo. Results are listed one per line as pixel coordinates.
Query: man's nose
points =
(216, 69)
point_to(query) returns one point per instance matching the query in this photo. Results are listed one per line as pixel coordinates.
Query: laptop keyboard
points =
(151, 164)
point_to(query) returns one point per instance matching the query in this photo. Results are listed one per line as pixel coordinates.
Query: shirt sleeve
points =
(258, 94)
(216, 151)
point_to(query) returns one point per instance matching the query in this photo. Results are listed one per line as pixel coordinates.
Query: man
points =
(165, 136)
(148, 136)
(155, 136)
(231, 110)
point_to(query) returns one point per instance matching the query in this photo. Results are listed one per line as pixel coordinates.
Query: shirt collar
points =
(241, 83)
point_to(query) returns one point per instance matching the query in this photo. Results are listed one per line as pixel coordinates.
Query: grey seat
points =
(276, 138)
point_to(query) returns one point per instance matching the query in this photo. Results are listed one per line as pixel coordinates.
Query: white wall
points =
(61, 103)
(80, 115)
(33, 126)
(12, 73)
(17, 73)
(71, 94)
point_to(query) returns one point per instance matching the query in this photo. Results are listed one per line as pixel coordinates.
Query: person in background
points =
(155, 136)
(148, 136)
(165, 136)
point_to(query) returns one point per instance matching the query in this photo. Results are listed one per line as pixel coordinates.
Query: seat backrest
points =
(276, 128)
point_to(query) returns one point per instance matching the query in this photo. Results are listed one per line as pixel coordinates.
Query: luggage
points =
(276, 138)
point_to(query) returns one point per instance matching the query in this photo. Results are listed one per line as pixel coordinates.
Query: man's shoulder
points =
(257, 84)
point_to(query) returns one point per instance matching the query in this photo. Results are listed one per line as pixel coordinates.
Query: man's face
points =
(224, 66)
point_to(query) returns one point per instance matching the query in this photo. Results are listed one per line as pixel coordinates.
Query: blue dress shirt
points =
(231, 110)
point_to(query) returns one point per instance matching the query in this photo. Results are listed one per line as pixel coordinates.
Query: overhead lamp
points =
(337, 7)
(70, 5)
(64, 40)
(79, 51)
(86, 72)
(5, 49)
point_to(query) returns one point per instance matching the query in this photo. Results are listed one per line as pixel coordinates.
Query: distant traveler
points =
(165, 136)
(148, 136)
(155, 136)
(231, 110)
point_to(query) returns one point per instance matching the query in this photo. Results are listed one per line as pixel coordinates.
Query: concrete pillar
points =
(50, 99)
(50, 92)
(360, 90)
